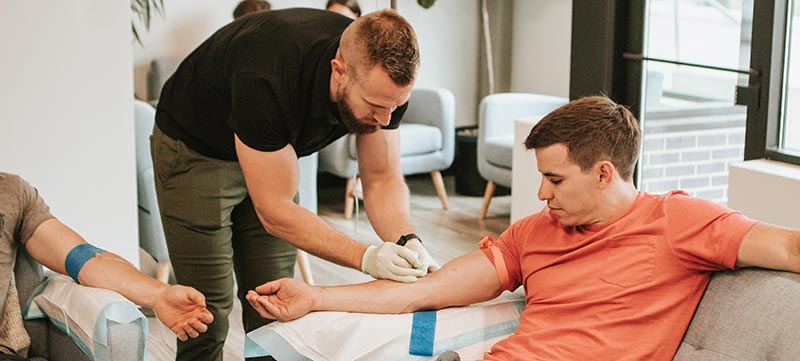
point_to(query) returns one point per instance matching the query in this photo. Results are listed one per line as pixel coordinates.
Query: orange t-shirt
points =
(622, 291)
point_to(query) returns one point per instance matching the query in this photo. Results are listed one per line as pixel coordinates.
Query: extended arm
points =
(465, 280)
(770, 246)
(386, 195)
(272, 180)
(180, 308)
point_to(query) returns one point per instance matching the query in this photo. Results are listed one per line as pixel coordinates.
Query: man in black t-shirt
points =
(232, 122)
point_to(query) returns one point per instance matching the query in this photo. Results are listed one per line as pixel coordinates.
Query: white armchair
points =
(496, 134)
(151, 231)
(427, 143)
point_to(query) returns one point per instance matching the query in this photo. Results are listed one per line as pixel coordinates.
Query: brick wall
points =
(691, 150)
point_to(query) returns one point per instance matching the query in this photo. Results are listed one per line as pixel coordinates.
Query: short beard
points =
(349, 119)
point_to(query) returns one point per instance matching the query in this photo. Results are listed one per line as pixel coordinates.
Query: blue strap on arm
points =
(423, 329)
(77, 257)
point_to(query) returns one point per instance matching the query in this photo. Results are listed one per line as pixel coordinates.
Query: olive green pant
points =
(212, 230)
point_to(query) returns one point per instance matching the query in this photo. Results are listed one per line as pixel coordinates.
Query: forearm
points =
(308, 232)
(387, 205)
(468, 279)
(109, 271)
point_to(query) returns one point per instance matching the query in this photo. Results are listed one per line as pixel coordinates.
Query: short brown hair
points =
(382, 38)
(250, 6)
(350, 4)
(593, 128)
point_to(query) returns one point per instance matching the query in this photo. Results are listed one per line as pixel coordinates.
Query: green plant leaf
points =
(426, 4)
(144, 10)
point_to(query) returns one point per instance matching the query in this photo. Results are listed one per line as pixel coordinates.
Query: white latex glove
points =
(428, 264)
(393, 262)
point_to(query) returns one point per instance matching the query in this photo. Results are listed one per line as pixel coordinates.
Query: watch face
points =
(402, 241)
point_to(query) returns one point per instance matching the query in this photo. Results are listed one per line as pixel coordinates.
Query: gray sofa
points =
(747, 314)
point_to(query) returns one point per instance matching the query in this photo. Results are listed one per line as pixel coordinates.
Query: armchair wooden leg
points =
(305, 267)
(349, 200)
(487, 198)
(438, 183)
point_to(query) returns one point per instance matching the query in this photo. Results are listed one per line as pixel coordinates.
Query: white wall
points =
(541, 47)
(67, 114)
(766, 190)
(447, 32)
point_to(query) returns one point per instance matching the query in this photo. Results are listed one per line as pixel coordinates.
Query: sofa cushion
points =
(498, 150)
(414, 139)
(748, 314)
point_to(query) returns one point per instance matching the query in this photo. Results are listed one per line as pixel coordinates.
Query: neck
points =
(618, 200)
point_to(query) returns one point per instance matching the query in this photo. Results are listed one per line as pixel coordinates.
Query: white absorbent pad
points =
(84, 313)
(361, 336)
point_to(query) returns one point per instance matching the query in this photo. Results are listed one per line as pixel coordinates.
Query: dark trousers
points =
(212, 231)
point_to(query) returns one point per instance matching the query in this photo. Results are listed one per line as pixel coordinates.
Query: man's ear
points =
(338, 68)
(605, 173)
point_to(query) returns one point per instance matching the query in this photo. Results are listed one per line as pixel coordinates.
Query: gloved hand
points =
(393, 262)
(427, 263)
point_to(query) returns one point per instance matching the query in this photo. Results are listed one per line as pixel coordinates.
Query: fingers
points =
(253, 298)
(427, 262)
(269, 287)
(412, 257)
(198, 326)
(180, 333)
(190, 331)
(407, 271)
(205, 317)
(272, 311)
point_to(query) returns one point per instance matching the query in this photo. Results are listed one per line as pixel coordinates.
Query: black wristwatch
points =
(407, 237)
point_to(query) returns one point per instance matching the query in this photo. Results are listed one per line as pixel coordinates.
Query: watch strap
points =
(407, 237)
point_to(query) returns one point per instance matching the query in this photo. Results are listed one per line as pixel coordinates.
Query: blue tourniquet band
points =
(423, 329)
(77, 257)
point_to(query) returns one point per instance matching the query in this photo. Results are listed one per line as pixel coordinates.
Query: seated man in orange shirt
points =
(607, 270)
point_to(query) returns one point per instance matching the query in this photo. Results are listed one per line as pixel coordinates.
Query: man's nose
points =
(383, 117)
(544, 191)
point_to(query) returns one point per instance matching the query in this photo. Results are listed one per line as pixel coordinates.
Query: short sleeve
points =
(33, 211)
(705, 236)
(257, 115)
(508, 247)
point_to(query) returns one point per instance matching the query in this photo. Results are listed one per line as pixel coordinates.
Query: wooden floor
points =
(447, 234)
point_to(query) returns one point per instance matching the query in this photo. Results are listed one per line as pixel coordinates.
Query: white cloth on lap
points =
(360, 336)
(84, 313)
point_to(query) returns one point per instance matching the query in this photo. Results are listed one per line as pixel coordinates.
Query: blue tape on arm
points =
(423, 329)
(77, 257)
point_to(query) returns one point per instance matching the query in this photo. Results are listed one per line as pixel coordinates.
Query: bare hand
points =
(284, 299)
(183, 310)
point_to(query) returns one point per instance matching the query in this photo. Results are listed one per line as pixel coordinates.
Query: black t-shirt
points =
(265, 77)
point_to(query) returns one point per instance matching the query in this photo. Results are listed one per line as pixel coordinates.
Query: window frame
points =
(598, 66)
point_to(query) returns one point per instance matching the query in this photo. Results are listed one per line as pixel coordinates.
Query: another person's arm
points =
(180, 308)
(467, 279)
(386, 195)
(272, 180)
(769, 246)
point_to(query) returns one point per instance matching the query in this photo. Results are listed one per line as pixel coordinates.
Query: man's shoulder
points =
(10, 182)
